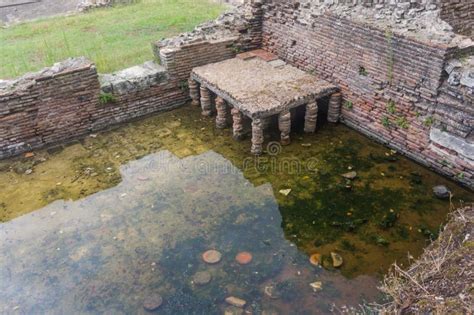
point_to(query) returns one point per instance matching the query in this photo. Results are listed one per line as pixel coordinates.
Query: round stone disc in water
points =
(211, 256)
(202, 277)
(243, 258)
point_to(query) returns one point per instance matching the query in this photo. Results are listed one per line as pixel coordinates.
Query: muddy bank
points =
(441, 281)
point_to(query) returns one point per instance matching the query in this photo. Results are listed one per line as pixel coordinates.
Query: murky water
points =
(99, 226)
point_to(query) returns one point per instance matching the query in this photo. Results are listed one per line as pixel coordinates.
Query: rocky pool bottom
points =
(120, 221)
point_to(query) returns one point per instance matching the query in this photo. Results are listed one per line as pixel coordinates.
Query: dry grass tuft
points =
(441, 281)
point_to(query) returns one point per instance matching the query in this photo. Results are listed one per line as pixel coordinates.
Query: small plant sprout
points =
(391, 107)
(363, 71)
(348, 104)
(183, 85)
(385, 121)
(428, 121)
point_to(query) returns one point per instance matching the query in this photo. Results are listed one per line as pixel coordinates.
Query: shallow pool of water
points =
(101, 225)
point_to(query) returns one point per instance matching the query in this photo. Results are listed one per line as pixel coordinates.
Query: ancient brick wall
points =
(460, 15)
(131, 105)
(180, 60)
(47, 108)
(390, 83)
(55, 106)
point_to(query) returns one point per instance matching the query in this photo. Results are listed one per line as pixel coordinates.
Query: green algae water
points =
(101, 225)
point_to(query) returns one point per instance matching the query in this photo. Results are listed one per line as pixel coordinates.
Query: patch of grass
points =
(114, 38)
(106, 98)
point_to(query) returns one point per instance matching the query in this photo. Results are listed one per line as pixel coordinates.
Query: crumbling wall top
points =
(59, 68)
(419, 19)
(227, 25)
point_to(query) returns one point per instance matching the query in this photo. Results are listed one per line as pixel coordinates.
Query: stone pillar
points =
(257, 136)
(221, 107)
(334, 107)
(206, 101)
(311, 117)
(194, 92)
(238, 125)
(284, 123)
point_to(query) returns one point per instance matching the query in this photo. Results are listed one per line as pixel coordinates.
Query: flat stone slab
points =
(257, 88)
(136, 78)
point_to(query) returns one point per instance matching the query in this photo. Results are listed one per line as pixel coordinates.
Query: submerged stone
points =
(235, 301)
(337, 260)
(211, 256)
(317, 285)
(202, 277)
(315, 259)
(350, 175)
(271, 292)
(441, 192)
(152, 302)
(243, 258)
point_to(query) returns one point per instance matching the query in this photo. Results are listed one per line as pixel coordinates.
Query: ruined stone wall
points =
(390, 82)
(460, 15)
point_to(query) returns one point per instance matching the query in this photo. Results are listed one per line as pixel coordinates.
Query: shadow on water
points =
(100, 225)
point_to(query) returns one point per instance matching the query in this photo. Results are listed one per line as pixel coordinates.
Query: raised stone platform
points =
(258, 85)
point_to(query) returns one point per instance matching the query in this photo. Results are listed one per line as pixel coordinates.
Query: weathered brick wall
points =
(125, 107)
(179, 61)
(460, 15)
(390, 83)
(47, 108)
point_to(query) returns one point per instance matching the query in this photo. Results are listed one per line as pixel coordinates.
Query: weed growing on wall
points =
(348, 104)
(428, 121)
(235, 49)
(391, 107)
(385, 121)
(106, 98)
(363, 71)
(183, 85)
(402, 122)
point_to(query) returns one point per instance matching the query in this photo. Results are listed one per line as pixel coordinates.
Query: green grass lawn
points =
(114, 38)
